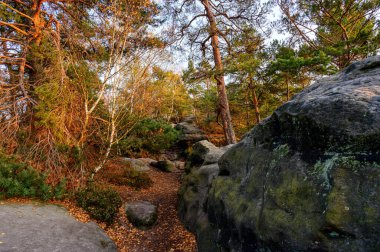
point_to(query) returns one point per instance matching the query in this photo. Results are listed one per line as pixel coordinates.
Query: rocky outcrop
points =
(190, 133)
(205, 153)
(202, 168)
(43, 227)
(141, 214)
(305, 179)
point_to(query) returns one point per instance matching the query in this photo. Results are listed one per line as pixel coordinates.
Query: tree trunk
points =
(255, 100)
(35, 38)
(256, 104)
(108, 150)
(219, 77)
(287, 89)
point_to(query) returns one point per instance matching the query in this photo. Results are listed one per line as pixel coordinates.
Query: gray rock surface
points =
(202, 168)
(189, 119)
(141, 214)
(190, 132)
(46, 228)
(147, 160)
(140, 165)
(165, 165)
(305, 179)
(205, 153)
(180, 165)
(340, 113)
(170, 154)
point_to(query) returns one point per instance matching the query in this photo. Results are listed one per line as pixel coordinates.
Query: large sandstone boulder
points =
(305, 179)
(43, 227)
(202, 168)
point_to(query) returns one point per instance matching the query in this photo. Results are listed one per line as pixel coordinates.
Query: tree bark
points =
(255, 100)
(219, 76)
(287, 88)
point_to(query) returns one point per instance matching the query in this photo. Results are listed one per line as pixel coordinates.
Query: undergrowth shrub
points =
(20, 180)
(133, 178)
(149, 135)
(101, 203)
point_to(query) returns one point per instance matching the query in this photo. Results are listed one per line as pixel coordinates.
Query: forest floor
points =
(167, 235)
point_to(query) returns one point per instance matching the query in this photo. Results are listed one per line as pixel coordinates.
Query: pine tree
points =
(208, 24)
(346, 30)
(290, 70)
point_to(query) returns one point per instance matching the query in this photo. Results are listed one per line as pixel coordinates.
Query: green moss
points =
(226, 191)
(351, 204)
(295, 210)
(222, 187)
(372, 215)
(285, 198)
(189, 184)
(338, 209)
(189, 196)
(165, 166)
(295, 194)
(298, 227)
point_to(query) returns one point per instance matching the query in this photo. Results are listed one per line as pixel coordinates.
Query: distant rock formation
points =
(190, 133)
(305, 179)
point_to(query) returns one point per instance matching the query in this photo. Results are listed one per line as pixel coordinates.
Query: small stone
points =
(141, 214)
(147, 160)
(139, 165)
(164, 165)
(180, 165)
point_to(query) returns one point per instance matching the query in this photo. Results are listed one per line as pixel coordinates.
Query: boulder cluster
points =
(305, 179)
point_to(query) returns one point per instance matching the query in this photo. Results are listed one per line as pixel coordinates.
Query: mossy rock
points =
(305, 179)
(165, 165)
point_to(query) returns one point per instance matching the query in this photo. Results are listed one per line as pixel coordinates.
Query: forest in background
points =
(81, 81)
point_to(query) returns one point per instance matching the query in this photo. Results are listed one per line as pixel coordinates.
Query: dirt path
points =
(168, 234)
